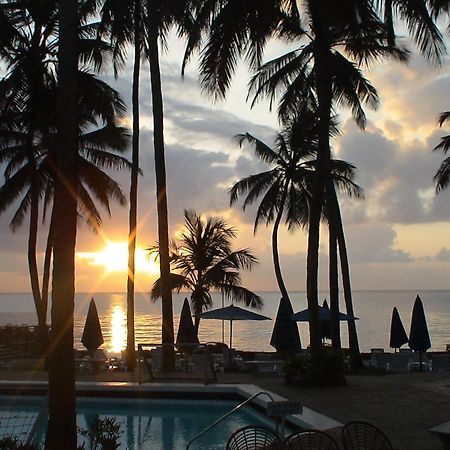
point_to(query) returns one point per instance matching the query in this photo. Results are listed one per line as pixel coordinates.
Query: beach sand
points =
(405, 406)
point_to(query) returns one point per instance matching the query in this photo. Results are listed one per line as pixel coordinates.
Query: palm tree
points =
(336, 30)
(29, 99)
(61, 430)
(417, 15)
(161, 16)
(325, 71)
(124, 22)
(204, 261)
(283, 187)
(442, 176)
(298, 144)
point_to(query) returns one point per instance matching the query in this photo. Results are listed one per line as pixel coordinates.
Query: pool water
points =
(145, 424)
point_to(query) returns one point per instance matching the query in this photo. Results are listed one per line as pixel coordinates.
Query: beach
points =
(405, 406)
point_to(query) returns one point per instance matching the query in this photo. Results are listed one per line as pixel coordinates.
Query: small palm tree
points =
(204, 261)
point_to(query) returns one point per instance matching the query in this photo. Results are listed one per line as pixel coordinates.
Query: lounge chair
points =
(381, 360)
(399, 362)
(360, 435)
(440, 363)
(254, 437)
(310, 440)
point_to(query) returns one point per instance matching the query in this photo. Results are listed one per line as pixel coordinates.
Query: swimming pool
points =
(146, 424)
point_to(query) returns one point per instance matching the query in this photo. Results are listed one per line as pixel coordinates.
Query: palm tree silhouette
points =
(442, 176)
(123, 21)
(204, 261)
(342, 35)
(283, 188)
(286, 188)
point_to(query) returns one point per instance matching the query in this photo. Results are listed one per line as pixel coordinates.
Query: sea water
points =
(373, 308)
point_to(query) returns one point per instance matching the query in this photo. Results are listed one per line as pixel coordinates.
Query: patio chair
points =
(310, 440)
(360, 435)
(254, 437)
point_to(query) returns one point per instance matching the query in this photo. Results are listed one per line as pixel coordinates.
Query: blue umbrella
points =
(419, 338)
(232, 313)
(285, 336)
(324, 314)
(398, 335)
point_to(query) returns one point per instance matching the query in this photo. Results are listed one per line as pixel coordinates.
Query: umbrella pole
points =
(223, 324)
(231, 340)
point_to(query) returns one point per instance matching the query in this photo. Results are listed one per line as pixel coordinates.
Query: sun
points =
(114, 258)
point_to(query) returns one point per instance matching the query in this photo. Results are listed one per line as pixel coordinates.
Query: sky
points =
(398, 237)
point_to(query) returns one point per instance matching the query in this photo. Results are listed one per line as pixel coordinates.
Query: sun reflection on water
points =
(118, 330)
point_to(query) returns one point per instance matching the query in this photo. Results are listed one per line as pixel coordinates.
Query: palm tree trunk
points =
(334, 284)
(355, 355)
(275, 254)
(47, 266)
(324, 95)
(161, 194)
(131, 345)
(32, 266)
(62, 430)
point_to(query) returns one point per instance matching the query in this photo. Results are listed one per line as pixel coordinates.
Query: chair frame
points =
(310, 440)
(254, 437)
(360, 435)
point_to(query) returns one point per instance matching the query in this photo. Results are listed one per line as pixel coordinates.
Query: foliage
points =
(12, 443)
(328, 370)
(103, 434)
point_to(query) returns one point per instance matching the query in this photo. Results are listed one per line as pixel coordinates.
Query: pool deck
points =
(405, 406)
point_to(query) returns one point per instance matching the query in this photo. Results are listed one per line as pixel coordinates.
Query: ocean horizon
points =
(372, 307)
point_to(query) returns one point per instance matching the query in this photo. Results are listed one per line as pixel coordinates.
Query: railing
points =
(220, 419)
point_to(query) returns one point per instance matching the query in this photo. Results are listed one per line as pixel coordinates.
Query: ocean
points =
(373, 308)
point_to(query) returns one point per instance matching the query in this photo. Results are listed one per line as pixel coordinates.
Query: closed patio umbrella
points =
(186, 330)
(285, 335)
(232, 313)
(325, 324)
(419, 338)
(398, 335)
(92, 336)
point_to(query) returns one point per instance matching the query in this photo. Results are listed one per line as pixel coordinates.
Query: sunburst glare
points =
(114, 257)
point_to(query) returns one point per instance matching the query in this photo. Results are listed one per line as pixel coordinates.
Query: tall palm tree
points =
(161, 16)
(204, 261)
(124, 21)
(61, 430)
(336, 31)
(284, 186)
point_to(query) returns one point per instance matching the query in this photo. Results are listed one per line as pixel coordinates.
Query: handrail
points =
(220, 419)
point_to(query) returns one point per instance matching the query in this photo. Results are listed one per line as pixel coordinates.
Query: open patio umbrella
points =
(324, 314)
(398, 335)
(285, 335)
(186, 330)
(419, 338)
(232, 313)
(92, 336)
